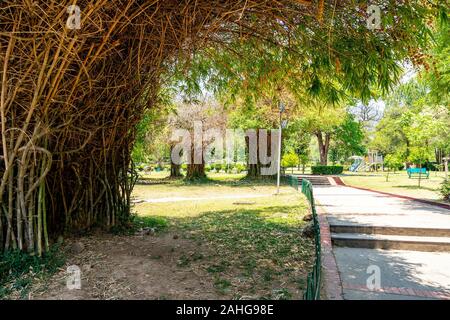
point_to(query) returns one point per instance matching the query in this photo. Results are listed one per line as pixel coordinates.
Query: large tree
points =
(206, 113)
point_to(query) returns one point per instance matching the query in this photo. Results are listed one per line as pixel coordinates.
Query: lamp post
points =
(283, 124)
(446, 167)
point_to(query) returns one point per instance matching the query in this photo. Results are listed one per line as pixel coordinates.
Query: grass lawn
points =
(398, 183)
(250, 247)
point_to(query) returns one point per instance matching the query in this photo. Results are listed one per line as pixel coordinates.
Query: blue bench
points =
(412, 172)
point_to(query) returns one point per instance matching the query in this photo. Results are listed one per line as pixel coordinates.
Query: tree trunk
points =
(446, 167)
(195, 171)
(324, 145)
(253, 169)
(420, 172)
(174, 168)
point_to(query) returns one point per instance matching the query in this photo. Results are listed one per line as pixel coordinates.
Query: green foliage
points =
(394, 161)
(437, 75)
(412, 125)
(445, 190)
(158, 223)
(240, 167)
(327, 170)
(430, 166)
(151, 131)
(353, 59)
(420, 155)
(296, 140)
(348, 139)
(20, 268)
(290, 160)
(321, 117)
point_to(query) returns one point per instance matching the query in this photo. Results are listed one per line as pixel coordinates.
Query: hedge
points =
(326, 170)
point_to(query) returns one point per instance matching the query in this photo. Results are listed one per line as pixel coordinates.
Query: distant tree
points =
(290, 160)
(393, 162)
(335, 129)
(367, 113)
(303, 161)
(211, 116)
(263, 114)
(348, 139)
(413, 120)
(152, 132)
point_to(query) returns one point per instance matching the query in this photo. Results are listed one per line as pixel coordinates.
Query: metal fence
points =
(314, 277)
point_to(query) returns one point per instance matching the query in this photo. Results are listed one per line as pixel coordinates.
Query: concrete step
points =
(391, 242)
(315, 180)
(390, 230)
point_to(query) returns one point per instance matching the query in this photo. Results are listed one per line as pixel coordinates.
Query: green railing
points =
(313, 283)
(292, 181)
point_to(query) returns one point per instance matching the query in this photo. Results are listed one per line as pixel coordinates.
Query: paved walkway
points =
(404, 274)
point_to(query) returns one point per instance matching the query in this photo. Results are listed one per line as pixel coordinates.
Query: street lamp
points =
(446, 167)
(283, 124)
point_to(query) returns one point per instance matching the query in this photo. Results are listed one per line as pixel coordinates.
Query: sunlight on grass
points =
(398, 183)
(254, 245)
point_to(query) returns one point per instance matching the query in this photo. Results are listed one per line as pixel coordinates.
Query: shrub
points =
(140, 166)
(445, 190)
(290, 160)
(240, 167)
(430, 166)
(327, 170)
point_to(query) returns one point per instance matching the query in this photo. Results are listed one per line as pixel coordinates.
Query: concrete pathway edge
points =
(330, 273)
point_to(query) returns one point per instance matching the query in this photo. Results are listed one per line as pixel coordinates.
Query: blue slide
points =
(354, 167)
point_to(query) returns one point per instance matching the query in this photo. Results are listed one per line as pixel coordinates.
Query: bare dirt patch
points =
(132, 267)
(212, 249)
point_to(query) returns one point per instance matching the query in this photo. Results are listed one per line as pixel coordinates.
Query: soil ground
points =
(228, 247)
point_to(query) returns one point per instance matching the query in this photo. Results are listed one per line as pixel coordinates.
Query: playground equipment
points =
(369, 163)
(358, 161)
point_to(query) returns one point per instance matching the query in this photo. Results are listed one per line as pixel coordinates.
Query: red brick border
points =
(402, 291)
(340, 182)
(330, 272)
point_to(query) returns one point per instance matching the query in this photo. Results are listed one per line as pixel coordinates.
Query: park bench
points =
(412, 172)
